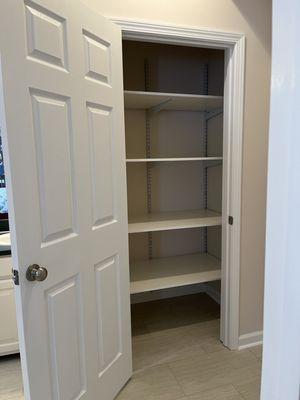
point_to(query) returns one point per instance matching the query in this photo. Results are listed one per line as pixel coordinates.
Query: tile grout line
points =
(241, 394)
(176, 379)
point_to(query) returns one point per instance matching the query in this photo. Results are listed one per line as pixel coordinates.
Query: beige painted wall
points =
(252, 17)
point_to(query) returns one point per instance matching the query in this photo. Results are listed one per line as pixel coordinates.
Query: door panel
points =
(64, 303)
(101, 130)
(108, 284)
(42, 25)
(98, 58)
(62, 124)
(52, 122)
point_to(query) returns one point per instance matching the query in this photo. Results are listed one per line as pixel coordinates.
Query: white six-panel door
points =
(62, 123)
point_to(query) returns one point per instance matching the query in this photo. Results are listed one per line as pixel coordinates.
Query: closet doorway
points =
(183, 100)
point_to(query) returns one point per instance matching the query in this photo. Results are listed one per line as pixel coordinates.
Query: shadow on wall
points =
(259, 22)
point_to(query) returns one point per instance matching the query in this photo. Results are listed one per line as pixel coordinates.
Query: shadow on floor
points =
(173, 313)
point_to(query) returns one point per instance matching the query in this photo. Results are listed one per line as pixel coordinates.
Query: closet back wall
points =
(254, 19)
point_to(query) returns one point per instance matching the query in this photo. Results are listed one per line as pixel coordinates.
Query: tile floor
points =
(10, 378)
(176, 356)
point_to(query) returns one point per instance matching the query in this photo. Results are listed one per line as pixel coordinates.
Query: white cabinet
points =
(8, 325)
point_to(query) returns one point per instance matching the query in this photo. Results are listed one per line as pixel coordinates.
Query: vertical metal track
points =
(205, 181)
(205, 148)
(147, 75)
(149, 181)
(205, 79)
(148, 155)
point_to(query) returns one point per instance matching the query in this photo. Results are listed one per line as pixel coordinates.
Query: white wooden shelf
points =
(162, 273)
(173, 159)
(171, 101)
(174, 220)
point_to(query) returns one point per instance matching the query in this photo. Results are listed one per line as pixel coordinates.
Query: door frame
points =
(234, 46)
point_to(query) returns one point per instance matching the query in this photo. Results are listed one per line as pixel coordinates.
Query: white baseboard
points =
(250, 340)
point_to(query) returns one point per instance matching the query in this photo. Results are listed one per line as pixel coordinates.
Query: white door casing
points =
(234, 45)
(61, 113)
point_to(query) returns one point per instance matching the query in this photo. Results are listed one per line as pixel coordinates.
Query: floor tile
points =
(170, 329)
(208, 371)
(227, 392)
(10, 378)
(161, 347)
(212, 347)
(249, 390)
(155, 383)
(257, 351)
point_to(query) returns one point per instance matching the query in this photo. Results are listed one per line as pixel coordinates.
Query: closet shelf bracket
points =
(213, 114)
(157, 108)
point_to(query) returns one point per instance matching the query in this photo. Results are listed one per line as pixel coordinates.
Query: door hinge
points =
(15, 277)
(230, 220)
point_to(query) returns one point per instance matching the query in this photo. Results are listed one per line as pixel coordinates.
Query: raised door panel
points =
(97, 58)
(101, 131)
(109, 313)
(66, 340)
(42, 24)
(53, 136)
